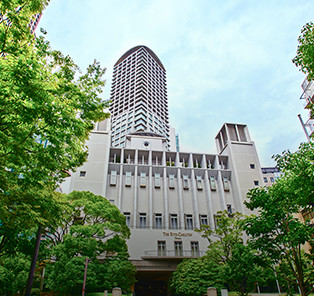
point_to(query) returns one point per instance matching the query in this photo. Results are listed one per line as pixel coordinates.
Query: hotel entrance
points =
(152, 284)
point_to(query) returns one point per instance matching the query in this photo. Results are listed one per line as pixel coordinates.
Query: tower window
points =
(171, 181)
(226, 184)
(212, 183)
(173, 221)
(161, 245)
(194, 249)
(142, 220)
(204, 220)
(189, 222)
(199, 182)
(185, 182)
(178, 249)
(127, 216)
(128, 179)
(158, 221)
(157, 180)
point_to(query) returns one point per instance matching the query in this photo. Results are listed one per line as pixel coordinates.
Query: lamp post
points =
(85, 273)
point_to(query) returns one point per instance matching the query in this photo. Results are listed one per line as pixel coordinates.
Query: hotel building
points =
(163, 194)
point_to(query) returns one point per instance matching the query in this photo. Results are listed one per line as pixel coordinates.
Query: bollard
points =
(116, 292)
(211, 291)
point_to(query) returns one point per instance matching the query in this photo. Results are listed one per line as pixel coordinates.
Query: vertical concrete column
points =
(150, 196)
(135, 214)
(166, 207)
(177, 159)
(194, 200)
(203, 164)
(209, 202)
(120, 181)
(180, 200)
(221, 192)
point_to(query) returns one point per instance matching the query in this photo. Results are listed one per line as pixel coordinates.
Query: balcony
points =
(172, 254)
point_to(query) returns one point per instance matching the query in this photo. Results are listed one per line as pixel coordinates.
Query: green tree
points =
(194, 276)
(239, 263)
(242, 271)
(96, 230)
(276, 231)
(305, 52)
(47, 109)
(13, 274)
(228, 232)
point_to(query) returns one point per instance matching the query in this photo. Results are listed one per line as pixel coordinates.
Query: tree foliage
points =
(48, 107)
(276, 231)
(194, 276)
(228, 231)
(227, 262)
(13, 274)
(95, 229)
(305, 52)
(242, 271)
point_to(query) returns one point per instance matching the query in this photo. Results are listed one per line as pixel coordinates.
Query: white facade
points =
(165, 195)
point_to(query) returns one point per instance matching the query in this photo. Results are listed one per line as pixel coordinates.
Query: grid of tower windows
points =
(138, 97)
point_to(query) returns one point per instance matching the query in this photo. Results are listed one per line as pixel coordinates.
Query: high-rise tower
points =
(138, 96)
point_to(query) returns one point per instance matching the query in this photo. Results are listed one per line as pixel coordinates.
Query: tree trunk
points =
(33, 265)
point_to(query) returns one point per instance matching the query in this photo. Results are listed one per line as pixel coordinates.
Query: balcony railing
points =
(174, 254)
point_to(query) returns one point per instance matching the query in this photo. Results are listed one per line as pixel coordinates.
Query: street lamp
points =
(86, 264)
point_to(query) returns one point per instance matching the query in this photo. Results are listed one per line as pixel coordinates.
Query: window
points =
(252, 166)
(188, 222)
(142, 220)
(226, 184)
(127, 216)
(229, 209)
(256, 182)
(185, 182)
(158, 221)
(265, 180)
(171, 181)
(212, 183)
(128, 179)
(161, 246)
(204, 220)
(143, 180)
(199, 182)
(157, 180)
(272, 179)
(82, 174)
(173, 221)
(194, 249)
(113, 178)
(178, 249)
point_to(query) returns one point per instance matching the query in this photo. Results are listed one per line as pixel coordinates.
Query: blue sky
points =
(226, 61)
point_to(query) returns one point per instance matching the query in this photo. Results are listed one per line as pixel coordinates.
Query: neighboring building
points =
(308, 97)
(163, 194)
(138, 96)
(270, 175)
